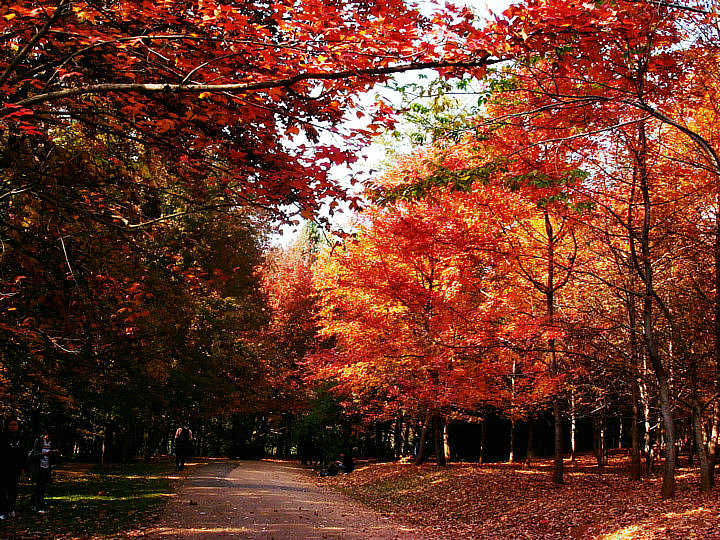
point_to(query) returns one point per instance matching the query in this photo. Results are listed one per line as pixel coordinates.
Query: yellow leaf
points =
(204, 95)
(10, 16)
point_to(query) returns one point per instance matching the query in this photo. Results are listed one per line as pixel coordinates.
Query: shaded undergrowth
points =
(92, 501)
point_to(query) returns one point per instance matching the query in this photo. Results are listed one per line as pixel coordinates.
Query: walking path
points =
(267, 500)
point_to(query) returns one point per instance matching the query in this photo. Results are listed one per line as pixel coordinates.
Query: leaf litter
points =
(515, 501)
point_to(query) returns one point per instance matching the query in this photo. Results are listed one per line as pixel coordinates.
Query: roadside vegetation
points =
(93, 501)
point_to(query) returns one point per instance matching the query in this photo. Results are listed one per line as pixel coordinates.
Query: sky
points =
(376, 153)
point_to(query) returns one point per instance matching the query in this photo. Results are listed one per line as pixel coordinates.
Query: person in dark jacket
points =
(183, 445)
(12, 460)
(43, 457)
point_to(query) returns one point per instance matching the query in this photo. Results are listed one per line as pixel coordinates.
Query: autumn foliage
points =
(557, 258)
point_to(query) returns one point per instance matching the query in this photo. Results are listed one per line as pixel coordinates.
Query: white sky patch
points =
(374, 157)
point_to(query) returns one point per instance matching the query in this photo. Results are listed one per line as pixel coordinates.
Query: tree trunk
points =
(406, 440)
(599, 448)
(446, 442)
(511, 456)
(558, 461)
(697, 427)
(705, 477)
(554, 367)
(482, 440)
(421, 454)
(530, 453)
(635, 466)
(397, 436)
(438, 429)
(644, 269)
(714, 443)
(668, 486)
(573, 427)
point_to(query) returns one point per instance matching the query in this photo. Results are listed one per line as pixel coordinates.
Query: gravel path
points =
(268, 500)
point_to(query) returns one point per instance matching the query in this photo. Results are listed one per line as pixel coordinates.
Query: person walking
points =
(43, 457)
(183, 444)
(12, 459)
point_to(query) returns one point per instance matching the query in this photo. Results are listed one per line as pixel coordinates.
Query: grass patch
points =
(86, 501)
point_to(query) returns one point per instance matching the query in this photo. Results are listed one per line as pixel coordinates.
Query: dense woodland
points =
(537, 274)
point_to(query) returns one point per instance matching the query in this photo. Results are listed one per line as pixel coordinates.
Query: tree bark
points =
(438, 429)
(635, 464)
(706, 479)
(643, 265)
(421, 454)
(573, 427)
(482, 440)
(511, 456)
(554, 368)
(530, 453)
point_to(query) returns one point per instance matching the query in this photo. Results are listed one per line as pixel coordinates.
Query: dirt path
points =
(268, 500)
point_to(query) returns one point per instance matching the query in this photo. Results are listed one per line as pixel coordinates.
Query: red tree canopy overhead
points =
(236, 93)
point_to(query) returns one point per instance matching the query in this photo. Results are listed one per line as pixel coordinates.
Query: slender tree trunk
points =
(397, 436)
(573, 428)
(635, 465)
(406, 440)
(668, 486)
(511, 456)
(102, 449)
(697, 427)
(558, 461)
(482, 440)
(438, 429)
(714, 439)
(446, 441)
(714, 443)
(599, 440)
(554, 368)
(647, 438)
(705, 478)
(691, 450)
(421, 454)
(643, 265)
(530, 453)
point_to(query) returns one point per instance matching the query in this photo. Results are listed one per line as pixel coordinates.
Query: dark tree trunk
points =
(706, 480)
(397, 436)
(421, 454)
(644, 269)
(438, 428)
(530, 452)
(482, 440)
(573, 426)
(511, 456)
(635, 463)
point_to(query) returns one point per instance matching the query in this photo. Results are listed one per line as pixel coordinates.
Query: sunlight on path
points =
(261, 499)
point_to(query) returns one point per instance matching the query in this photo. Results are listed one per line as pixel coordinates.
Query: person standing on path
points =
(12, 459)
(42, 457)
(183, 444)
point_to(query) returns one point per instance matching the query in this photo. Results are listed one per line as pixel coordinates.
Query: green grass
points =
(86, 501)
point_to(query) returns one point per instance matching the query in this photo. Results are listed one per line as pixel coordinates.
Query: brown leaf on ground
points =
(513, 501)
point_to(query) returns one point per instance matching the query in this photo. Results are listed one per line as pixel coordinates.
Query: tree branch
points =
(33, 41)
(236, 87)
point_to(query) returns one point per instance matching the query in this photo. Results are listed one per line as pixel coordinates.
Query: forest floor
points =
(281, 500)
(503, 501)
